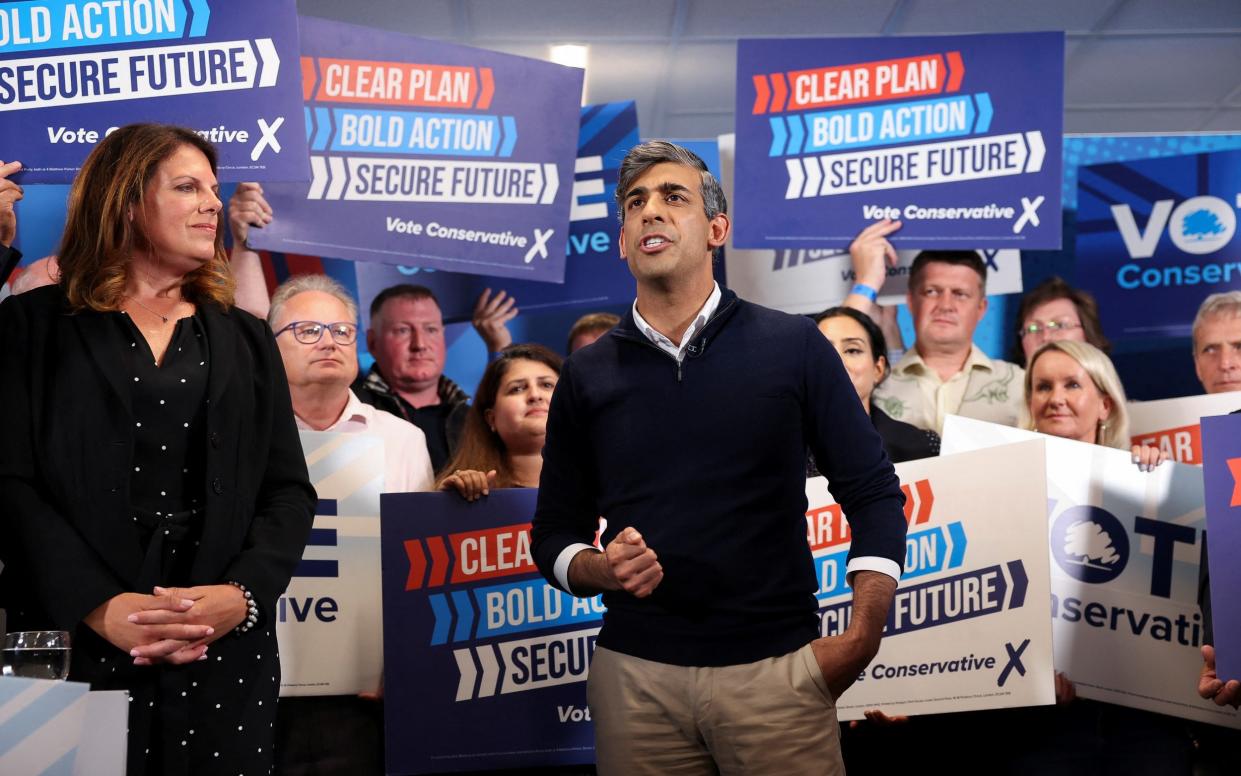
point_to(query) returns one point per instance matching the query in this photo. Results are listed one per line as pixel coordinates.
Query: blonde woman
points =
(1072, 391)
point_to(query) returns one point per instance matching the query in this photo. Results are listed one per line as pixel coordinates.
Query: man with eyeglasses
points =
(944, 373)
(406, 336)
(315, 321)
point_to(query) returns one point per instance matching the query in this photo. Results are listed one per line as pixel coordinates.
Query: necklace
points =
(138, 301)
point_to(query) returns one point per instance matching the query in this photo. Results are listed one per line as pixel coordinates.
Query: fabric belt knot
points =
(163, 533)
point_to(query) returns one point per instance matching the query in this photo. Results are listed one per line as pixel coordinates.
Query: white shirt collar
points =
(668, 346)
(355, 412)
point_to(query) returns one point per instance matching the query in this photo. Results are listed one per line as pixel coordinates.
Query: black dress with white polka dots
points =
(214, 716)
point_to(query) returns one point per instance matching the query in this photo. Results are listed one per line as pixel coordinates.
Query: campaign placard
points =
(1126, 549)
(1172, 425)
(71, 71)
(969, 626)
(810, 280)
(328, 620)
(950, 134)
(489, 662)
(1156, 237)
(1221, 473)
(594, 275)
(1084, 150)
(483, 659)
(430, 154)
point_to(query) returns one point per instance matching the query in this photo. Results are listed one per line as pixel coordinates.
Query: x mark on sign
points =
(1029, 213)
(268, 138)
(1234, 466)
(1014, 661)
(540, 244)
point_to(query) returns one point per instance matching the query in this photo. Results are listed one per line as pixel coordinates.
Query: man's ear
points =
(718, 230)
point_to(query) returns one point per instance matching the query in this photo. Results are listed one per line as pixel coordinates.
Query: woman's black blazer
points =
(68, 540)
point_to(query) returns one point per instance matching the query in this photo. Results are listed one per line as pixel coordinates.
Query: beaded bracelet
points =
(252, 609)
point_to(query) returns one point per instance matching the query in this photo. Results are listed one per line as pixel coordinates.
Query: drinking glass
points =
(35, 655)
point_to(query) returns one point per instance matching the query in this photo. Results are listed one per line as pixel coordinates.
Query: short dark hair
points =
(589, 324)
(644, 156)
(401, 291)
(878, 342)
(969, 259)
(1055, 287)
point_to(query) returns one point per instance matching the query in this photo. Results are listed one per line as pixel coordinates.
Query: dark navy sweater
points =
(707, 460)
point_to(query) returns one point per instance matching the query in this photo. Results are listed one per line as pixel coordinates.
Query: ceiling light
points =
(570, 55)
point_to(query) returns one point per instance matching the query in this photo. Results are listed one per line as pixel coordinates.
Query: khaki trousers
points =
(774, 716)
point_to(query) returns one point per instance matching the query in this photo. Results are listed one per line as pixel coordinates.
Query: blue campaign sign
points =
(73, 70)
(431, 154)
(1221, 478)
(958, 136)
(485, 664)
(1155, 237)
(595, 275)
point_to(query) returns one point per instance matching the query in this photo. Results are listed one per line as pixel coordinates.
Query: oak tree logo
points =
(1090, 544)
(1201, 225)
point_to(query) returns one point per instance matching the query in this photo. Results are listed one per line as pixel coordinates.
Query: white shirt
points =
(407, 465)
(561, 567)
(673, 349)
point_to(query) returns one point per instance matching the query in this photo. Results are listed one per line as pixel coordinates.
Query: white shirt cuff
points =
(865, 563)
(561, 568)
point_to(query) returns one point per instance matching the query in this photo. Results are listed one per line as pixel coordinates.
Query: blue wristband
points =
(861, 289)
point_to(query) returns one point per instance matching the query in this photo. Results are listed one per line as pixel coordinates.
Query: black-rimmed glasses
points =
(310, 332)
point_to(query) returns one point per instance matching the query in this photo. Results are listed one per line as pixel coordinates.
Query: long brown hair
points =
(481, 448)
(100, 239)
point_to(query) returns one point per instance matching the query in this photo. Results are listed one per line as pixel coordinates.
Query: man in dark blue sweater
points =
(686, 427)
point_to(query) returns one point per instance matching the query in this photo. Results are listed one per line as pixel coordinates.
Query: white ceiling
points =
(1132, 65)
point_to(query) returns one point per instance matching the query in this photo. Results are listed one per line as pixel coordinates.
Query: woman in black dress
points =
(153, 495)
(862, 348)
